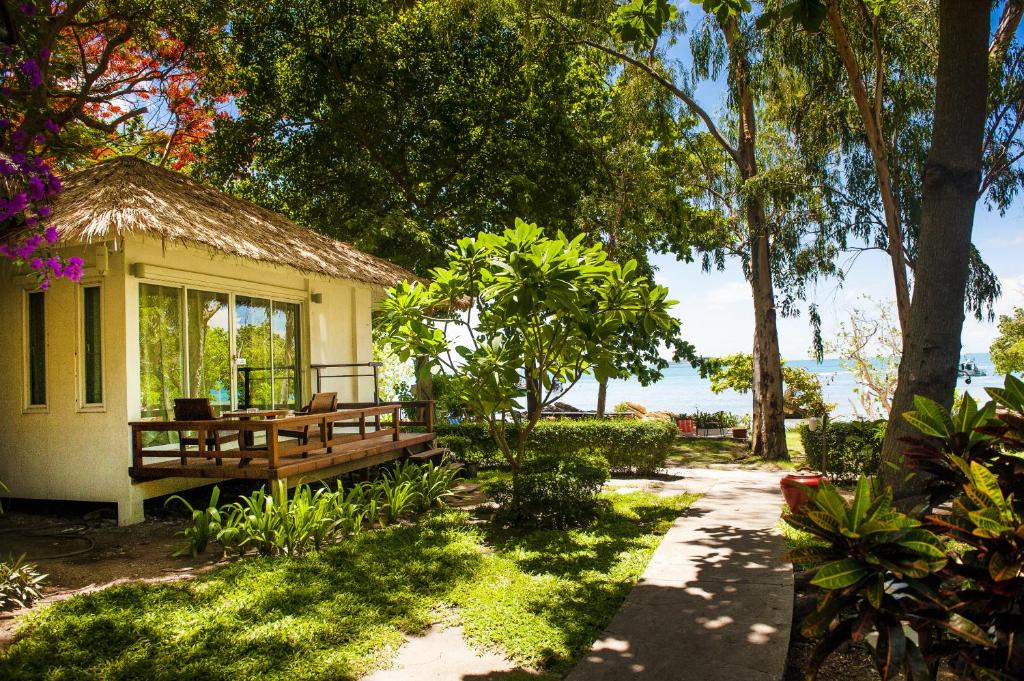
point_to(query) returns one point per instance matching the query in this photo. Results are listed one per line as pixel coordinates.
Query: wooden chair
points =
(322, 403)
(199, 409)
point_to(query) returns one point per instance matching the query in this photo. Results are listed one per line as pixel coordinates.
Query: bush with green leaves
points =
(854, 448)
(527, 315)
(630, 447)
(21, 584)
(554, 490)
(967, 605)
(272, 523)
(875, 566)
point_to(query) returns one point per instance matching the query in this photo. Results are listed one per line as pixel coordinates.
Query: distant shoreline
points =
(683, 390)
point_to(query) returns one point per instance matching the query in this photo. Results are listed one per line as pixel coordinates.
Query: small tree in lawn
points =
(517, 319)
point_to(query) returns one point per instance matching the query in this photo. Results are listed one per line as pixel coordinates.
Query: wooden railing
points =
(366, 422)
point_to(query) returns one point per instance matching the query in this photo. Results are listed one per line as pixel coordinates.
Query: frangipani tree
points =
(518, 318)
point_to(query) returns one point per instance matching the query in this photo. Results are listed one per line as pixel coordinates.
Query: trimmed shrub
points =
(555, 491)
(854, 448)
(629, 447)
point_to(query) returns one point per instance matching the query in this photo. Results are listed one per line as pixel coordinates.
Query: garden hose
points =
(73, 532)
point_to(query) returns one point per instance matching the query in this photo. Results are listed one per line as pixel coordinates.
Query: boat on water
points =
(968, 367)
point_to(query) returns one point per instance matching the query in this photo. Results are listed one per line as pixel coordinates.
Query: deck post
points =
(324, 435)
(272, 447)
(362, 425)
(430, 416)
(136, 447)
(396, 416)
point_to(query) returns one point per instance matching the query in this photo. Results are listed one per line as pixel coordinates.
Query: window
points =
(236, 349)
(36, 323)
(92, 356)
(160, 349)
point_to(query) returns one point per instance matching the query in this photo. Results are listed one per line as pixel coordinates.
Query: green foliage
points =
(552, 490)
(874, 565)
(378, 123)
(21, 584)
(854, 448)
(273, 524)
(206, 523)
(629, 447)
(965, 605)
(642, 21)
(340, 612)
(542, 312)
(802, 394)
(1008, 348)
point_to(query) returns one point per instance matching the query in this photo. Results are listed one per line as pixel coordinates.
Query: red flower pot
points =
(794, 488)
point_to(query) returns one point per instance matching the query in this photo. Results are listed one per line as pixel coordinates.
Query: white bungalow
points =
(187, 292)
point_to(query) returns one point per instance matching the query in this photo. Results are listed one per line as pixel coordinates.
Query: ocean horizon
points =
(683, 390)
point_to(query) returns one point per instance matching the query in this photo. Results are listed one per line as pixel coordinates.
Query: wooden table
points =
(248, 436)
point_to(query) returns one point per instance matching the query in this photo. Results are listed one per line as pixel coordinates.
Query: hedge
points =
(630, 447)
(854, 448)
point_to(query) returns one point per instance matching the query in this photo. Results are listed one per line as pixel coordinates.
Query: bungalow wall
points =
(70, 450)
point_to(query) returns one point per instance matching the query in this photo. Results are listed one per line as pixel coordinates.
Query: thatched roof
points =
(127, 196)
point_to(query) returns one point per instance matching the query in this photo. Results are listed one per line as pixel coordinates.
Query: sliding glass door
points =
(209, 347)
(267, 351)
(240, 351)
(160, 349)
(284, 329)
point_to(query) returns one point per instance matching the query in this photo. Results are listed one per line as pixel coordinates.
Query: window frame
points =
(83, 404)
(28, 407)
(233, 288)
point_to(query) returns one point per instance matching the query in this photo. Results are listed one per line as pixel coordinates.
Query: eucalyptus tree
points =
(404, 126)
(956, 172)
(862, 116)
(773, 222)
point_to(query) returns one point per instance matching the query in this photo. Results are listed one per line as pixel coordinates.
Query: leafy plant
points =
(854, 448)
(399, 498)
(631, 447)
(542, 312)
(206, 524)
(876, 566)
(554, 491)
(21, 584)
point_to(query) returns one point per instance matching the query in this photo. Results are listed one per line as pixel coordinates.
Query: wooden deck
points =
(339, 441)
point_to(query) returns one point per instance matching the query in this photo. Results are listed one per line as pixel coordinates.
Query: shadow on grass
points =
(328, 615)
(559, 589)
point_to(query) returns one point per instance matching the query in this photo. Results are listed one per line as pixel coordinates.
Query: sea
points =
(683, 390)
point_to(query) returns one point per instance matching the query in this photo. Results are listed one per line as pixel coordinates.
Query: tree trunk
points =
(602, 397)
(768, 422)
(952, 172)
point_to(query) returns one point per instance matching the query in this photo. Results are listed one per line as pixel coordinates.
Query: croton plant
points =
(942, 586)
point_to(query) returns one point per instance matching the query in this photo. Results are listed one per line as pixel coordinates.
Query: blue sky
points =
(715, 307)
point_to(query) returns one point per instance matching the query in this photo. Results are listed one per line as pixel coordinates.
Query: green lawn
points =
(698, 452)
(540, 597)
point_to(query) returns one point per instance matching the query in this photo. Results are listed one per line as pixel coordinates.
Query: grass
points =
(699, 452)
(540, 597)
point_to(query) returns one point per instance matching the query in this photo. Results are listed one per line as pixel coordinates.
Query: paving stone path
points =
(715, 602)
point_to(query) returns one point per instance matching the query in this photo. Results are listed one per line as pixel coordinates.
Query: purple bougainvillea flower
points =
(44, 212)
(51, 126)
(35, 188)
(56, 266)
(37, 263)
(44, 284)
(51, 234)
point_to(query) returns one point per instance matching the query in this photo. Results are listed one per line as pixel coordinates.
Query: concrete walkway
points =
(715, 602)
